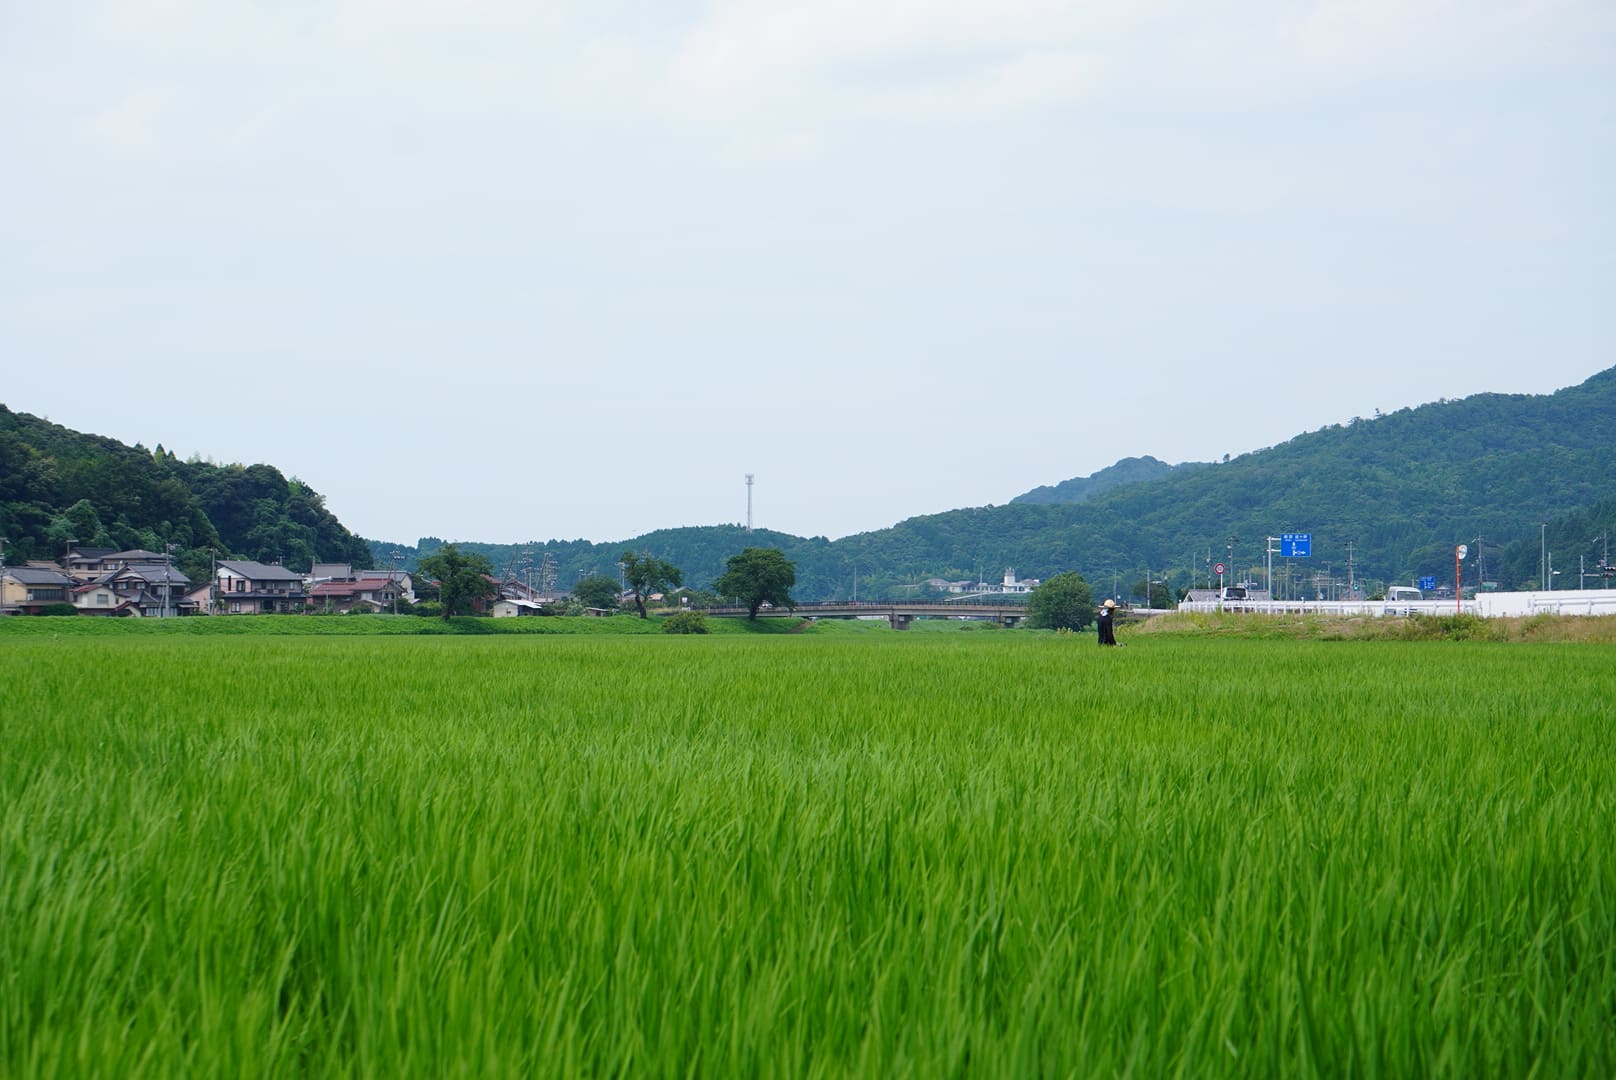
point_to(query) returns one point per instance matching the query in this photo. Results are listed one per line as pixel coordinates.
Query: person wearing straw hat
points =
(1107, 633)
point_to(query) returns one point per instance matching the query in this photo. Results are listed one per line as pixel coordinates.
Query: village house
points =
(254, 588)
(88, 564)
(1010, 585)
(396, 578)
(27, 589)
(85, 563)
(98, 598)
(150, 589)
(364, 594)
(397, 581)
(1013, 587)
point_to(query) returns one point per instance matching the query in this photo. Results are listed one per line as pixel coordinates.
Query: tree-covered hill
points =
(1131, 470)
(59, 486)
(1402, 489)
(1398, 491)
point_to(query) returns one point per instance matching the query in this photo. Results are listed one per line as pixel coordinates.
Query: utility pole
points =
(392, 580)
(168, 590)
(1543, 555)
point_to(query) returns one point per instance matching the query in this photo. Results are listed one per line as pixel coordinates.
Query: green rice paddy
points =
(830, 853)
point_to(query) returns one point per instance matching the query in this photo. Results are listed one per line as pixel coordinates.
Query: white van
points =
(1399, 597)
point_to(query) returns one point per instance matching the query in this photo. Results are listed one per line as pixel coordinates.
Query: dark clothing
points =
(1107, 634)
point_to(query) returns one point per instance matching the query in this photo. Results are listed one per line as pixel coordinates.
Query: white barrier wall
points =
(1560, 602)
(1487, 605)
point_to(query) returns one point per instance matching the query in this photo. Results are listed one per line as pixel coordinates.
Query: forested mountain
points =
(1127, 471)
(59, 486)
(1398, 491)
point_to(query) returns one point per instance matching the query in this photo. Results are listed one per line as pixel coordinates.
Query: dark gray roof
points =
(135, 555)
(33, 575)
(152, 573)
(257, 571)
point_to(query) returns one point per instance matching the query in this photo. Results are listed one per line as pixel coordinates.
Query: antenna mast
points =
(748, 502)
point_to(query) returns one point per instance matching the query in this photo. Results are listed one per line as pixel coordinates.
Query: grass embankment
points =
(877, 854)
(367, 626)
(1538, 628)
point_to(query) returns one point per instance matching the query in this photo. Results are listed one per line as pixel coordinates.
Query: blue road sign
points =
(1427, 584)
(1296, 545)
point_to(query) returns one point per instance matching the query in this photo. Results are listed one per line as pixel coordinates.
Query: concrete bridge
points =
(900, 613)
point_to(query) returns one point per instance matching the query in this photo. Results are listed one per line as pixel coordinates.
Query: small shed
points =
(510, 609)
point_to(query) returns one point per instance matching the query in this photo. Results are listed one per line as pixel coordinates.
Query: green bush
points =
(1468, 627)
(685, 622)
(58, 609)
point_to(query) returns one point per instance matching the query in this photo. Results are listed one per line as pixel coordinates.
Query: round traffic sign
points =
(1218, 569)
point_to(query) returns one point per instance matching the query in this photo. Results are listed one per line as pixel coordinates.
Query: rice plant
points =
(838, 854)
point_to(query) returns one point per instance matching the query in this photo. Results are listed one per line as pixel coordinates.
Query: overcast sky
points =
(510, 271)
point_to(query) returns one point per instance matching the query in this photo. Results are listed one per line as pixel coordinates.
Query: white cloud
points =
(186, 78)
(848, 56)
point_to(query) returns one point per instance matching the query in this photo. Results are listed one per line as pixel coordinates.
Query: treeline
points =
(61, 487)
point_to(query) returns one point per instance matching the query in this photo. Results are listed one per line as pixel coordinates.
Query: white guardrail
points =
(1487, 605)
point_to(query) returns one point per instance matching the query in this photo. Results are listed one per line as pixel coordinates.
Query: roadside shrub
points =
(58, 609)
(685, 622)
(429, 609)
(1448, 628)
